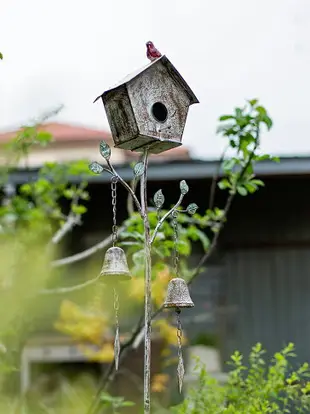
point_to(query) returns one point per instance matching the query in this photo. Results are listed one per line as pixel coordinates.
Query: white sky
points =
(69, 51)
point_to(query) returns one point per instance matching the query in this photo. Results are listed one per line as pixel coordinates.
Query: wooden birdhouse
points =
(149, 108)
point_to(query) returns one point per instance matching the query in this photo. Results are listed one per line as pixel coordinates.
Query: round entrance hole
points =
(159, 112)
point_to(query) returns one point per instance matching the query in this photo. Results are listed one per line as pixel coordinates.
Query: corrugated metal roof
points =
(191, 169)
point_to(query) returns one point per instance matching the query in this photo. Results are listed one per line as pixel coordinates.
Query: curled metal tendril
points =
(116, 340)
(180, 369)
(114, 182)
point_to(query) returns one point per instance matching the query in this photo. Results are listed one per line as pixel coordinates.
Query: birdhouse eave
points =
(171, 70)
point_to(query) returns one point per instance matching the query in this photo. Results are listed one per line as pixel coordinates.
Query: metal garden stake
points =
(147, 113)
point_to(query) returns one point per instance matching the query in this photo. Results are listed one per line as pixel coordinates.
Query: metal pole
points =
(147, 289)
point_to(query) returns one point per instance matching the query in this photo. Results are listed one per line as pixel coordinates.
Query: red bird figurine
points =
(151, 52)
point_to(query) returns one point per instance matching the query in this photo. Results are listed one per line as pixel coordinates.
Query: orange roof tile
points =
(65, 133)
(72, 133)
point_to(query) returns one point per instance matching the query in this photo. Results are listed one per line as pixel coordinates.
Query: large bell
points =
(115, 267)
(178, 294)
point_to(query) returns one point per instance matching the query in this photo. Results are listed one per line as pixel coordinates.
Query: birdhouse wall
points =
(120, 115)
(155, 85)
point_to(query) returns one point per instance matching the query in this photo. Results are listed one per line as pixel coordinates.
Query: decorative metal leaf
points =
(138, 169)
(159, 199)
(181, 372)
(184, 187)
(95, 167)
(192, 208)
(116, 348)
(105, 150)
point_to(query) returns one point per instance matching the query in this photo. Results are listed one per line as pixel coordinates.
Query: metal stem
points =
(112, 171)
(147, 290)
(114, 181)
(161, 221)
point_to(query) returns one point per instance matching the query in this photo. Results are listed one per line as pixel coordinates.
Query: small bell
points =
(178, 294)
(115, 267)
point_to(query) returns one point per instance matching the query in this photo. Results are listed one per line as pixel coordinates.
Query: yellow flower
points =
(81, 325)
(105, 354)
(69, 310)
(159, 382)
(159, 287)
(166, 352)
(137, 289)
(164, 275)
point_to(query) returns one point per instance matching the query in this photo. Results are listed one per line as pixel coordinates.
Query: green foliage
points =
(108, 401)
(261, 387)
(41, 199)
(189, 231)
(242, 129)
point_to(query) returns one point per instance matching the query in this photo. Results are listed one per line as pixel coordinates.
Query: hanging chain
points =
(116, 340)
(114, 181)
(175, 237)
(179, 327)
(180, 369)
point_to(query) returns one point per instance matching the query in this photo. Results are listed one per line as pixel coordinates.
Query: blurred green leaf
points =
(226, 117)
(241, 190)
(258, 182)
(224, 183)
(79, 209)
(253, 102)
(44, 137)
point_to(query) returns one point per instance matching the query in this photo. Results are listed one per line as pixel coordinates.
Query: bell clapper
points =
(116, 339)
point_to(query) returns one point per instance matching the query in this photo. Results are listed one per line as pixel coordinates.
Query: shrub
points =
(259, 388)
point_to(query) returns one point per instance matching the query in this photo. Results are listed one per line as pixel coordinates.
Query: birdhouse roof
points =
(171, 70)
